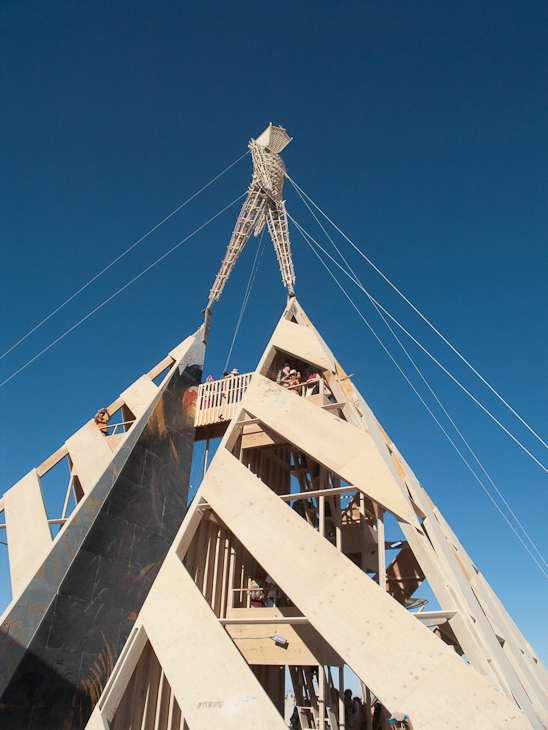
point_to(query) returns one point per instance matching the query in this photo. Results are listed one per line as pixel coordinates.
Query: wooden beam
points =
(211, 681)
(402, 662)
(52, 461)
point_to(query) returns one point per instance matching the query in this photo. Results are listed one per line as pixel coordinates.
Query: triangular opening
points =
(148, 695)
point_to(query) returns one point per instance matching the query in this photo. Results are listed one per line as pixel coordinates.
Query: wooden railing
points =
(316, 386)
(113, 427)
(218, 399)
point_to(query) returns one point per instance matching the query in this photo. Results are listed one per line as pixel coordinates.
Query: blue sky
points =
(419, 128)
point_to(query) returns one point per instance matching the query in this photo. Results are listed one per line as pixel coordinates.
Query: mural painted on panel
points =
(124, 538)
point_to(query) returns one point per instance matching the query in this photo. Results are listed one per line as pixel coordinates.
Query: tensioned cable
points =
(121, 256)
(461, 435)
(250, 283)
(420, 314)
(431, 391)
(122, 289)
(360, 285)
(441, 426)
(306, 236)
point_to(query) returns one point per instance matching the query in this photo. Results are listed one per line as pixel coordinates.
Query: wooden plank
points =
(302, 343)
(213, 684)
(90, 455)
(122, 673)
(52, 461)
(317, 493)
(527, 673)
(97, 721)
(402, 662)
(164, 701)
(27, 530)
(157, 369)
(140, 395)
(329, 440)
(381, 555)
(251, 634)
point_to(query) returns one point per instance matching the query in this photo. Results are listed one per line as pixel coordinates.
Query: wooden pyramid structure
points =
(139, 614)
(143, 613)
(335, 600)
(76, 595)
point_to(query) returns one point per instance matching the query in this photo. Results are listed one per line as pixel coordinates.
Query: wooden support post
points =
(70, 491)
(321, 508)
(364, 527)
(231, 575)
(341, 698)
(162, 708)
(217, 576)
(321, 697)
(337, 517)
(380, 546)
(206, 457)
(366, 702)
(226, 564)
(324, 479)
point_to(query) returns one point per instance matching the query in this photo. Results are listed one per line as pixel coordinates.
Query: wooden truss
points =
(302, 489)
(263, 204)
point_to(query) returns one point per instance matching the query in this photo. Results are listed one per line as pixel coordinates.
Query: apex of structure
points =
(274, 139)
(264, 205)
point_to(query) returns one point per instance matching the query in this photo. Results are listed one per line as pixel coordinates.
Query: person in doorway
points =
(351, 710)
(101, 418)
(294, 379)
(256, 593)
(313, 380)
(377, 715)
(284, 373)
(294, 721)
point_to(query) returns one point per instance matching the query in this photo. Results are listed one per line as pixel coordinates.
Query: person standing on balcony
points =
(284, 373)
(294, 380)
(102, 418)
(313, 378)
(232, 393)
(255, 591)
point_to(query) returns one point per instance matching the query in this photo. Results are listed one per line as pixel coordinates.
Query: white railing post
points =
(217, 400)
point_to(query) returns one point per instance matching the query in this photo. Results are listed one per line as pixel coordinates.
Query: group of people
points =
(355, 715)
(219, 394)
(288, 377)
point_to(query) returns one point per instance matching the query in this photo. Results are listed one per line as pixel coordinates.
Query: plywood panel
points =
(27, 529)
(97, 722)
(336, 444)
(211, 681)
(140, 395)
(406, 666)
(90, 455)
(305, 647)
(303, 343)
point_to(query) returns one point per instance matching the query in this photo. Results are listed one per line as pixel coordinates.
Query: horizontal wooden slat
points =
(52, 461)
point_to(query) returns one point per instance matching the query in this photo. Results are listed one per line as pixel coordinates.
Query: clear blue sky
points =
(420, 128)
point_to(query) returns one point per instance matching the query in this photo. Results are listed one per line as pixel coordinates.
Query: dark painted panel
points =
(94, 584)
